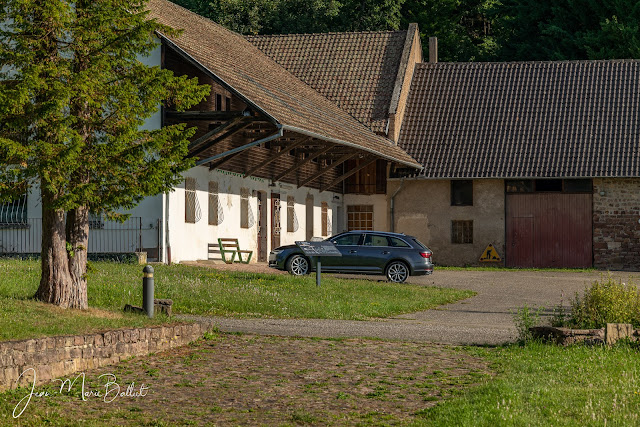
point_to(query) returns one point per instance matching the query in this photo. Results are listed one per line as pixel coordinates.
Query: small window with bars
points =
(244, 208)
(96, 221)
(325, 218)
(14, 212)
(462, 231)
(190, 200)
(292, 219)
(215, 207)
(360, 217)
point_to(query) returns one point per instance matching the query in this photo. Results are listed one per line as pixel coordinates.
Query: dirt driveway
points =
(483, 319)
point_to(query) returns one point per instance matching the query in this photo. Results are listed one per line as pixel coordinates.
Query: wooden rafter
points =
(224, 160)
(205, 138)
(366, 162)
(322, 171)
(276, 156)
(304, 161)
(232, 130)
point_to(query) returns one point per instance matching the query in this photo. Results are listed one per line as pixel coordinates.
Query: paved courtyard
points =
(483, 319)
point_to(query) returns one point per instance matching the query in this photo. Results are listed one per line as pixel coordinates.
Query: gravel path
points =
(483, 319)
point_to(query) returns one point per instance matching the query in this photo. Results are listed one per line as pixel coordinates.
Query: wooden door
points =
(275, 220)
(549, 230)
(262, 226)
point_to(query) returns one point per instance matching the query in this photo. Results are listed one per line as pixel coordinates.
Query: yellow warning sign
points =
(490, 255)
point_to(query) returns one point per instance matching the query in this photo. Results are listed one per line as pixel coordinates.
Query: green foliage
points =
(567, 30)
(606, 301)
(78, 96)
(525, 318)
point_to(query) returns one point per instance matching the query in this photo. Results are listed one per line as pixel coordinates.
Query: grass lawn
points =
(204, 291)
(544, 385)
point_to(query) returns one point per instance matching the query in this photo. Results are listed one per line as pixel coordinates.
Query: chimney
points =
(433, 49)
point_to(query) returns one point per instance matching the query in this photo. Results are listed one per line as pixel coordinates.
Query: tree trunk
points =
(55, 282)
(78, 238)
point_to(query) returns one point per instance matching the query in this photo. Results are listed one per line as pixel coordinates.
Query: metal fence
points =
(104, 236)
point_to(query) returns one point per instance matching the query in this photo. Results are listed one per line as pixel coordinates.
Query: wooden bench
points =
(230, 246)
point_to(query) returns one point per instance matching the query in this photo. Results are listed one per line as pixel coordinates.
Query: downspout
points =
(168, 241)
(392, 204)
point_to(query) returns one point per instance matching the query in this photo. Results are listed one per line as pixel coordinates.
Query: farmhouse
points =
(308, 135)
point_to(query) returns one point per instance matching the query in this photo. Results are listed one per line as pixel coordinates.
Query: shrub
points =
(525, 318)
(606, 301)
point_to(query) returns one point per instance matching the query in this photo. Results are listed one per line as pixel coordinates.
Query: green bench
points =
(230, 247)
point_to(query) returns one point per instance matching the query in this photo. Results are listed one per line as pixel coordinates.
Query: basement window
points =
(462, 192)
(461, 231)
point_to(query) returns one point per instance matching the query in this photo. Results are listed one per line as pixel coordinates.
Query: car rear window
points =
(398, 243)
(420, 245)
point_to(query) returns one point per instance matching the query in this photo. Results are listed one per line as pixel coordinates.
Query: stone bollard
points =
(147, 290)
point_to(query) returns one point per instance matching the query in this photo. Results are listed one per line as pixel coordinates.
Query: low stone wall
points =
(566, 336)
(54, 357)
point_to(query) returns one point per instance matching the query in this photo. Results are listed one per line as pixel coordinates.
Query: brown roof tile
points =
(526, 119)
(267, 85)
(355, 70)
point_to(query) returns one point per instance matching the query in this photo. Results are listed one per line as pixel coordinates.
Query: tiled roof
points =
(357, 71)
(267, 85)
(526, 119)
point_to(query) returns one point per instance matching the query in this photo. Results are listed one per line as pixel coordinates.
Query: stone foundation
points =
(616, 230)
(609, 335)
(54, 357)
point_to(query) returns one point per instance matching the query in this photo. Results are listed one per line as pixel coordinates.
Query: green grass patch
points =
(202, 291)
(542, 384)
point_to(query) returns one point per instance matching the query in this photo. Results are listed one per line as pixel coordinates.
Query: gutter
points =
(276, 135)
(349, 144)
(392, 205)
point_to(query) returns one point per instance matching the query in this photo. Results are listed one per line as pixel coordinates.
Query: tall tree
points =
(98, 158)
(567, 30)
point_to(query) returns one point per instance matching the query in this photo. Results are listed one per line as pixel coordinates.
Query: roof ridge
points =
(330, 33)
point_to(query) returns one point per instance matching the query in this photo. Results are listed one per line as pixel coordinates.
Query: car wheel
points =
(298, 265)
(397, 272)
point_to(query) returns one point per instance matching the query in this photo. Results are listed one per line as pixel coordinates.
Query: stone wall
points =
(616, 230)
(423, 209)
(54, 357)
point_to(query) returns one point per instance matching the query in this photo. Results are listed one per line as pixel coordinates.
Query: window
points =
(292, 220)
(309, 219)
(370, 180)
(397, 243)
(215, 208)
(14, 212)
(244, 207)
(190, 200)
(347, 240)
(218, 102)
(96, 221)
(375, 240)
(227, 104)
(360, 217)
(462, 192)
(549, 185)
(325, 218)
(461, 231)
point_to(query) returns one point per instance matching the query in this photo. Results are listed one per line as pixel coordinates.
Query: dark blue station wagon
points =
(395, 255)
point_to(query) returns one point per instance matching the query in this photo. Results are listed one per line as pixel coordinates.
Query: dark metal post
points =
(318, 270)
(147, 290)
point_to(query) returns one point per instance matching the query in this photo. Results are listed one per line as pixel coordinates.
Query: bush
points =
(606, 301)
(524, 319)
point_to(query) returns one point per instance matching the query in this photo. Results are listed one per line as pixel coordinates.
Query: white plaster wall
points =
(380, 208)
(190, 241)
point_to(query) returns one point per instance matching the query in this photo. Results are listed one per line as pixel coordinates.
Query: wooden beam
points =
(204, 115)
(224, 160)
(348, 174)
(237, 128)
(303, 162)
(276, 156)
(204, 138)
(322, 171)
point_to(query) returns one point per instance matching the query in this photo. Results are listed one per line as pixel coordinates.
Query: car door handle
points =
(385, 252)
(353, 251)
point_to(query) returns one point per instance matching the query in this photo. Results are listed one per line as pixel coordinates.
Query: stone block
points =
(617, 331)
(57, 369)
(78, 340)
(98, 340)
(126, 336)
(51, 342)
(88, 340)
(41, 345)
